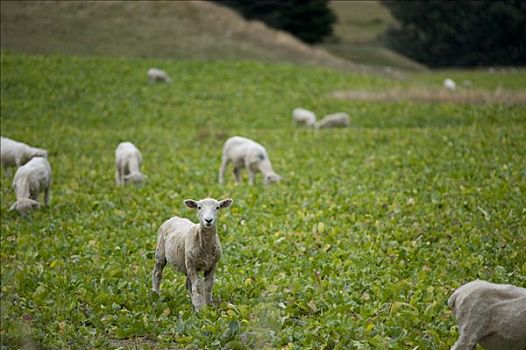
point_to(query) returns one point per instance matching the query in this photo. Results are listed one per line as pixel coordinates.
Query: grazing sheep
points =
(468, 84)
(493, 315)
(191, 248)
(303, 116)
(128, 162)
(449, 84)
(31, 179)
(243, 152)
(155, 75)
(336, 120)
(17, 153)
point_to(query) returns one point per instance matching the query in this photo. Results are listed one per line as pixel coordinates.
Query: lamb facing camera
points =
(191, 248)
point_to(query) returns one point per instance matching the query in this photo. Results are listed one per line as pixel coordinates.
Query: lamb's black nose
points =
(209, 221)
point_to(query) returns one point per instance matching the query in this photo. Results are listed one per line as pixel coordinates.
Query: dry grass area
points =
(156, 29)
(435, 95)
(357, 35)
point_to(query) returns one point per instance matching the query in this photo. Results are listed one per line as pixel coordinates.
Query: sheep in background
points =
(303, 116)
(17, 153)
(449, 84)
(128, 162)
(191, 248)
(155, 75)
(468, 84)
(245, 153)
(336, 120)
(493, 315)
(31, 179)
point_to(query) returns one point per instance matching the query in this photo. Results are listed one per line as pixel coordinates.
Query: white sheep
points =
(303, 116)
(191, 248)
(155, 75)
(31, 179)
(245, 153)
(493, 315)
(336, 120)
(17, 153)
(128, 162)
(449, 84)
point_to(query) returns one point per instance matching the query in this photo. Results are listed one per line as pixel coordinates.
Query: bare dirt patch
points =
(435, 95)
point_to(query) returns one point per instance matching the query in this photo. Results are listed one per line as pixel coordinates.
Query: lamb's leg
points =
(118, 176)
(46, 195)
(157, 273)
(195, 294)
(472, 327)
(465, 342)
(251, 175)
(33, 194)
(237, 175)
(222, 170)
(209, 283)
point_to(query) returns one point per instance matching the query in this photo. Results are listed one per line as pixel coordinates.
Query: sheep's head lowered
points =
(135, 178)
(24, 206)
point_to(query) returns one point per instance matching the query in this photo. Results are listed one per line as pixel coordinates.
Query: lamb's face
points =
(40, 153)
(25, 206)
(272, 178)
(136, 179)
(207, 209)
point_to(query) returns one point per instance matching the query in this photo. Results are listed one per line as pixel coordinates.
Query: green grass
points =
(358, 248)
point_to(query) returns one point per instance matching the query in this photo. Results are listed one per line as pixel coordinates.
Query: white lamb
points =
(31, 179)
(17, 153)
(449, 84)
(155, 75)
(303, 116)
(191, 248)
(245, 153)
(128, 162)
(493, 315)
(336, 120)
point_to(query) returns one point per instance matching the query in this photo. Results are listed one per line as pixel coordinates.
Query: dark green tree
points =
(459, 33)
(309, 20)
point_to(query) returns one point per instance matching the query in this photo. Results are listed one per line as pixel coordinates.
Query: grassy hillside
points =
(359, 247)
(357, 35)
(156, 29)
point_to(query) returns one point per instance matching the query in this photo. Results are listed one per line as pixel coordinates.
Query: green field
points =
(359, 247)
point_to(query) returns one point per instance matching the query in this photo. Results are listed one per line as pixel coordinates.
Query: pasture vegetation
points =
(358, 248)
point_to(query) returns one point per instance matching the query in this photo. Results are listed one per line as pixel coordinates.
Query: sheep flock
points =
(488, 314)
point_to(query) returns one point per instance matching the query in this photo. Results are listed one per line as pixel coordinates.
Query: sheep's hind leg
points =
(157, 273)
(46, 196)
(471, 332)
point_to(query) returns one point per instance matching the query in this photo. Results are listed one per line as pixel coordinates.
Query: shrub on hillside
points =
(309, 20)
(459, 33)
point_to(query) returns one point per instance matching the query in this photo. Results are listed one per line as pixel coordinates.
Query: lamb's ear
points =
(190, 203)
(225, 203)
(13, 207)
